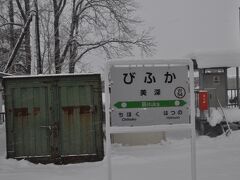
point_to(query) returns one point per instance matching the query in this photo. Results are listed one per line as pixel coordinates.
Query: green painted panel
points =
(28, 113)
(40, 117)
(51, 116)
(77, 122)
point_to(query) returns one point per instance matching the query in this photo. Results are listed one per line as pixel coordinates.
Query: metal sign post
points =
(149, 96)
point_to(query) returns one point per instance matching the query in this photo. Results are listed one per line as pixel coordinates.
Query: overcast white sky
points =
(182, 27)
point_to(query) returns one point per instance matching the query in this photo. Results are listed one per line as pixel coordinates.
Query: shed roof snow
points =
(47, 75)
(2, 74)
(217, 59)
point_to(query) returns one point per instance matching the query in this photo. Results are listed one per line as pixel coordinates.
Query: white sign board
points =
(152, 95)
(149, 96)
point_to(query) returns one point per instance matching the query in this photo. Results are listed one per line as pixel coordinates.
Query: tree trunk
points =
(58, 66)
(27, 40)
(38, 50)
(71, 68)
(73, 48)
(11, 28)
(73, 55)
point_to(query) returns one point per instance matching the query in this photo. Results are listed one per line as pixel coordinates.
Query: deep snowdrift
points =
(231, 114)
(217, 159)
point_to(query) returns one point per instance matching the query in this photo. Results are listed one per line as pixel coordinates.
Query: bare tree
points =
(8, 32)
(112, 22)
(20, 10)
(106, 25)
(70, 31)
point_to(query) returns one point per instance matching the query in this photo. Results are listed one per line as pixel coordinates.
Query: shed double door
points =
(52, 120)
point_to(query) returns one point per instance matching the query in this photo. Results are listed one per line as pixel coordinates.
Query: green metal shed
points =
(54, 118)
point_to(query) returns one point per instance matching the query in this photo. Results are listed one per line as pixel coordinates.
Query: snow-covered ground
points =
(217, 159)
(216, 115)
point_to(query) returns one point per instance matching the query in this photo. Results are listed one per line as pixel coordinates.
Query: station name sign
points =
(149, 95)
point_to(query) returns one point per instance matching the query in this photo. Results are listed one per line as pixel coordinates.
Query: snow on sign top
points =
(217, 59)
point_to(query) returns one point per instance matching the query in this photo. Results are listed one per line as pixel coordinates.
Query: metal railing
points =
(232, 98)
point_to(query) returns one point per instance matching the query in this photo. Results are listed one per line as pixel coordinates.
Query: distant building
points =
(212, 68)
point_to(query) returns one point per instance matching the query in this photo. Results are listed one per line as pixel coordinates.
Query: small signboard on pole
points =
(149, 96)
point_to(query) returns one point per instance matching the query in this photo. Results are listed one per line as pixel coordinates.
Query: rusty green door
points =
(79, 119)
(28, 119)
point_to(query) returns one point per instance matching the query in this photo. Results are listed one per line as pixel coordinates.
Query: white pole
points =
(108, 133)
(193, 132)
(237, 68)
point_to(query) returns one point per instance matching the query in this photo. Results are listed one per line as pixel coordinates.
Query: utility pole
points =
(237, 68)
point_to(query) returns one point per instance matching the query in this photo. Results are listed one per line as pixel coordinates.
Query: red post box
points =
(203, 100)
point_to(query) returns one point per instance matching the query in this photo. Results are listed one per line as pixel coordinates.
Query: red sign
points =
(203, 100)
